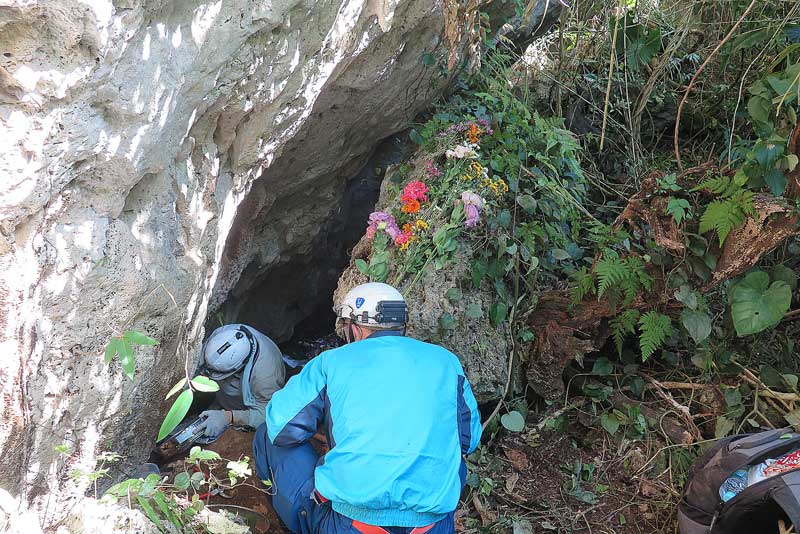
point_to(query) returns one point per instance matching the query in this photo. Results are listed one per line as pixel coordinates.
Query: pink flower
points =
(415, 190)
(379, 220)
(404, 239)
(431, 170)
(473, 205)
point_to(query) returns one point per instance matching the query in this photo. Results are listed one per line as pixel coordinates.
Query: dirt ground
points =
(572, 479)
(249, 499)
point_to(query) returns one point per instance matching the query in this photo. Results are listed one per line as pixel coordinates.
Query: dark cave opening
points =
(292, 301)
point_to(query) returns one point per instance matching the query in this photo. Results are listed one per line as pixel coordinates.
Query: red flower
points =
(415, 190)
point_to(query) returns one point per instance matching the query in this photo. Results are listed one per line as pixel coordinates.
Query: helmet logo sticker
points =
(359, 302)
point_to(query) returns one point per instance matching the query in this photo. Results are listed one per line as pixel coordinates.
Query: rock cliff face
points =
(153, 152)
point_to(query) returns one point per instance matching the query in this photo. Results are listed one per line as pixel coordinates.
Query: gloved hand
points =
(215, 423)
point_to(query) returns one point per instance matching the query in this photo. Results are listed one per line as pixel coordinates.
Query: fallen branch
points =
(576, 403)
(684, 411)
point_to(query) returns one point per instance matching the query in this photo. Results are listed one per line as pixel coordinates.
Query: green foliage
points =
(176, 413)
(757, 305)
(184, 401)
(621, 278)
(379, 265)
(654, 329)
(733, 205)
(610, 271)
(622, 325)
(122, 346)
(513, 421)
(678, 208)
(582, 284)
(157, 498)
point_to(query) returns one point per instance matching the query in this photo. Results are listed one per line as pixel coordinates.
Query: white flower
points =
(461, 152)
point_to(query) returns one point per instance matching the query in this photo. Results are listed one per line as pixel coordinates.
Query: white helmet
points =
(375, 305)
(227, 350)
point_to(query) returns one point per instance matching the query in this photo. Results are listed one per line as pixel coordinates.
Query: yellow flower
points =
(405, 245)
(477, 167)
(421, 225)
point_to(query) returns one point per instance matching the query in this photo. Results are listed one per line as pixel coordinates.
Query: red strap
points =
(322, 500)
(372, 529)
(368, 529)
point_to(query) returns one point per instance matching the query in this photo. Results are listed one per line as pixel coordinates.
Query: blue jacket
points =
(399, 414)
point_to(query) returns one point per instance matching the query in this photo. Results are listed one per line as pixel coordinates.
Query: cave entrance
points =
(291, 302)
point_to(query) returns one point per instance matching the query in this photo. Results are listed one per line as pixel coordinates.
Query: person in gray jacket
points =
(248, 367)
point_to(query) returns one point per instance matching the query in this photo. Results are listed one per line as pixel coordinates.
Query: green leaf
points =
(759, 109)
(610, 271)
(176, 413)
(112, 348)
(560, 254)
(722, 216)
(757, 305)
(513, 421)
(776, 181)
(182, 481)
(697, 323)
(205, 384)
(677, 207)
(602, 367)
(723, 427)
(791, 162)
(145, 505)
(609, 422)
(687, 296)
(362, 266)
(416, 137)
(785, 274)
(454, 294)
(149, 486)
(447, 322)
(527, 202)
(138, 338)
(176, 388)
(165, 509)
(654, 328)
(198, 454)
(126, 357)
(497, 313)
(474, 311)
(479, 269)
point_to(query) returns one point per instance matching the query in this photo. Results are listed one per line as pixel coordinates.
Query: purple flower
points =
(380, 220)
(487, 128)
(473, 205)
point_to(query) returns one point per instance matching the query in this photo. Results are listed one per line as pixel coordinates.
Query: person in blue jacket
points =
(398, 414)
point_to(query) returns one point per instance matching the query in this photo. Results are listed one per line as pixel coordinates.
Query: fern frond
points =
(622, 325)
(722, 216)
(628, 287)
(610, 271)
(719, 185)
(654, 329)
(584, 284)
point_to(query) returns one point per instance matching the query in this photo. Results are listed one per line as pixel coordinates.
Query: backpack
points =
(757, 508)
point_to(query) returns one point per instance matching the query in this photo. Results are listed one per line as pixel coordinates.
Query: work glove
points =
(215, 423)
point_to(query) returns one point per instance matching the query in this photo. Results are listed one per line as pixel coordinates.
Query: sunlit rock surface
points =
(150, 153)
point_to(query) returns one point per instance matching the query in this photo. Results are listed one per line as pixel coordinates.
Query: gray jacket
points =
(266, 377)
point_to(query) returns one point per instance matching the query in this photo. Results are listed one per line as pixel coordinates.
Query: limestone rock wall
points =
(151, 152)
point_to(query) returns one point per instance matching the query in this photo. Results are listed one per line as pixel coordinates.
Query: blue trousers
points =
(291, 470)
